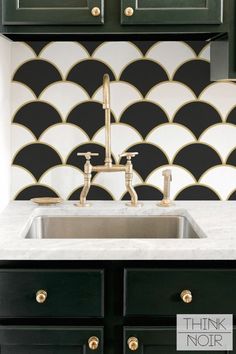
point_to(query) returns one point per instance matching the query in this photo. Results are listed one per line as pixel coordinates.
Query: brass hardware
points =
(41, 296)
(108, 166)
(96, 11)
(166, 202)
(133, 343)
(129, 11)
(93, 343)
(186, 296)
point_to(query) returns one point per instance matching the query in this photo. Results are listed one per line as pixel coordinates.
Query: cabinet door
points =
(52, 12)
(154, 340)
(49, 340)
(154, 12)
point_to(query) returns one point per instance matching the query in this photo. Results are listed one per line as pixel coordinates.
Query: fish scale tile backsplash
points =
(163, 106)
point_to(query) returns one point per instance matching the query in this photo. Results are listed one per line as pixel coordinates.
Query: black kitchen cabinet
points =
(153, 340)
(52, 12)
(108, 301)
(156, 12)
(49, 340)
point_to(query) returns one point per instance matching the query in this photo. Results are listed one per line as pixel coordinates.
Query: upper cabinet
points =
(165, 12)
(52, 12)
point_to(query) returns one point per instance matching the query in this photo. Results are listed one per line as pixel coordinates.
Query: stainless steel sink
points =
(163, 227)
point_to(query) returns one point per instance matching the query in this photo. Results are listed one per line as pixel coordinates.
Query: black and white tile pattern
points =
(163, 106)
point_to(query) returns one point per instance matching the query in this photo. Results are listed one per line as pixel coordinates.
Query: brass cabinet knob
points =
(96, 11)
(129, 11)
(41, 296)
(133, 343)
(93, 343)
(186, 296)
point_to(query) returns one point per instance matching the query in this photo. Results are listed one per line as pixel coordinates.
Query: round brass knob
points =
(41, 296)
(96, 11)
(186, 296)
(129, 11)
(93, 343)
(133, 343)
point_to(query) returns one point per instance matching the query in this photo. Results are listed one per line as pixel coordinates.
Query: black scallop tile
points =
(37, 116)
(144, 116)
(149, 158)
(197, 116)
(197, 158)
(95, 193)
(37, 158)
(197, 192)
(37, 46)
(144, 74)
(232, 196)
(195, 74)
(145, 192)
(232, 158)
(197, 46)
(144, 46)
(89, 74)
(37, 74)
(90, 116)
(78, 161)
(35, 191)
(232, 116)
(90, 46)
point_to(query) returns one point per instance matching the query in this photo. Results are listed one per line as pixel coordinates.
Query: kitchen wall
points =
(163, 106)
(5, 126)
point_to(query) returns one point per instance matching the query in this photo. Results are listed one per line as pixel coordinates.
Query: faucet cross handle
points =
(129, 155)
(88, 154)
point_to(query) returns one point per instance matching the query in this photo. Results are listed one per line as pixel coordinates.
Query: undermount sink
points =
(109, 227)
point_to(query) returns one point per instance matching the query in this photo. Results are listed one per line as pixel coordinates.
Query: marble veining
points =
(215, 221)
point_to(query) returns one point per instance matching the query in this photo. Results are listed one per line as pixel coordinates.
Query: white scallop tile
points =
(64, 138)
(220, 95)
(64, 96)
(20, 95)
(20, 178)
(171, 55)
(122, 136)
(115, 182)
(117, 55)
(54, 52)
(181, 178)
(170, 138)
(205, 53)
(123, 95)
(20, 136)
(222, 179)
(21, 53)
(63, 179)
(171, 96)
(222, 137)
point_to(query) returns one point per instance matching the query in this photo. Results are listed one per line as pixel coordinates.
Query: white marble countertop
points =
(215, 222)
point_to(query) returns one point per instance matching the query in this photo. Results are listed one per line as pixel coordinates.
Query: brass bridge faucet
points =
(108, 165)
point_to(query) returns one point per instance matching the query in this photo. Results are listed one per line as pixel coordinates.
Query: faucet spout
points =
(107, 108)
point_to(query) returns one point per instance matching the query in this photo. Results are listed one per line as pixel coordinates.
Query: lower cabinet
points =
(155, 340)
(107, 307)
(50, 340)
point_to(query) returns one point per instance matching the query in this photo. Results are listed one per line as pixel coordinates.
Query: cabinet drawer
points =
(51, 293)
(52, 12)
(154, 340)
(156, 292)
(171, 12)
(48, 340)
